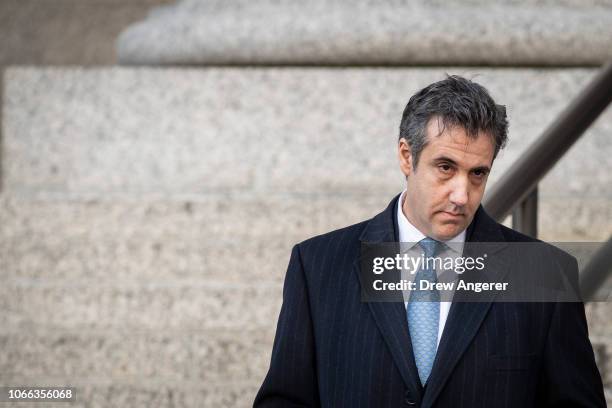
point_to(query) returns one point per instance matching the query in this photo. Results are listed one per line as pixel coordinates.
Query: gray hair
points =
(456, 101)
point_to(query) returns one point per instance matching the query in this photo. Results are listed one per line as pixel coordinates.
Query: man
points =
(334, 350)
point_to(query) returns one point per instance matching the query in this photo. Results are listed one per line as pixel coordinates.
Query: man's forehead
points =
(437, 126)
(454, 141)
(457, 139)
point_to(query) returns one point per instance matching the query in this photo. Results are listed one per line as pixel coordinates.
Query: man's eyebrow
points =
(444, 159)
(486, 169)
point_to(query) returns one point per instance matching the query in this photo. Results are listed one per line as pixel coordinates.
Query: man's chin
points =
(447, 231)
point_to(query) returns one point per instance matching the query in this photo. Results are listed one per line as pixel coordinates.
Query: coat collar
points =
(383, 227)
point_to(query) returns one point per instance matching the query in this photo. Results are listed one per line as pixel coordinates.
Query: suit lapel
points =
(466, 315)
(390, 317)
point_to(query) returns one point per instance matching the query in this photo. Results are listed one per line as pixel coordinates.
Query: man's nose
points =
(459, 192)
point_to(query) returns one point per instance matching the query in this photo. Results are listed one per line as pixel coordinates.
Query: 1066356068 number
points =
(55, 394)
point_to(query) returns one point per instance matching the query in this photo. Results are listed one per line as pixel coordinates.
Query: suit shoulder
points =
(511, 235)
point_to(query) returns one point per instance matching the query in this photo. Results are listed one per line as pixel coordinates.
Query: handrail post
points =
(525, 214)
(596, 271)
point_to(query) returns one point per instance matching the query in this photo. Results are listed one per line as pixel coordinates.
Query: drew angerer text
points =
(440, 286)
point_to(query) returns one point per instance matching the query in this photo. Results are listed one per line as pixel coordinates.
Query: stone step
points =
(461, 32)
(162, 306)
(118, 131)
(229, 239)
(172, 306)
(217, 356)
(216, 239)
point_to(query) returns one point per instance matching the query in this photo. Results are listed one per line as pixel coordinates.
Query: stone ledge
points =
(365, 33)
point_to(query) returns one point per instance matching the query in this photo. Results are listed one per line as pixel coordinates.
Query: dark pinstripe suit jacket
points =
(332, 350)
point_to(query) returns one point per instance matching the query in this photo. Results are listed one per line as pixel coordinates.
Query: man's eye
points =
(480, 173)
(444, 168)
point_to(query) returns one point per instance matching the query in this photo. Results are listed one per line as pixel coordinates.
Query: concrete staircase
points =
(147, 214)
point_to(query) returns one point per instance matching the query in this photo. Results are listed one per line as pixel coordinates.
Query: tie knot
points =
(430, 246)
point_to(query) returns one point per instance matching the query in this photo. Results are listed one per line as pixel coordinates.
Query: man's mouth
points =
(452, 214)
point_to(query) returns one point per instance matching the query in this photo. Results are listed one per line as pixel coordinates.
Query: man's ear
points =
(404, 155)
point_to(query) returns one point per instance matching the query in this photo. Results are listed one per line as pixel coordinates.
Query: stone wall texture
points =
(147, 214)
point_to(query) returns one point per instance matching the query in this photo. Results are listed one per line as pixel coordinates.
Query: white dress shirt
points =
(409, 234)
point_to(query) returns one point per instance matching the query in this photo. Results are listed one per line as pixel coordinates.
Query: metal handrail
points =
(517, 189)
(543, 154)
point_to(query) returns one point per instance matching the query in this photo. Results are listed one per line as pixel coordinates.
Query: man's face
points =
(445, 189)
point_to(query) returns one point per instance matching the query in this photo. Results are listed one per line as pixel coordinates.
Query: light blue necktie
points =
(424, 314)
